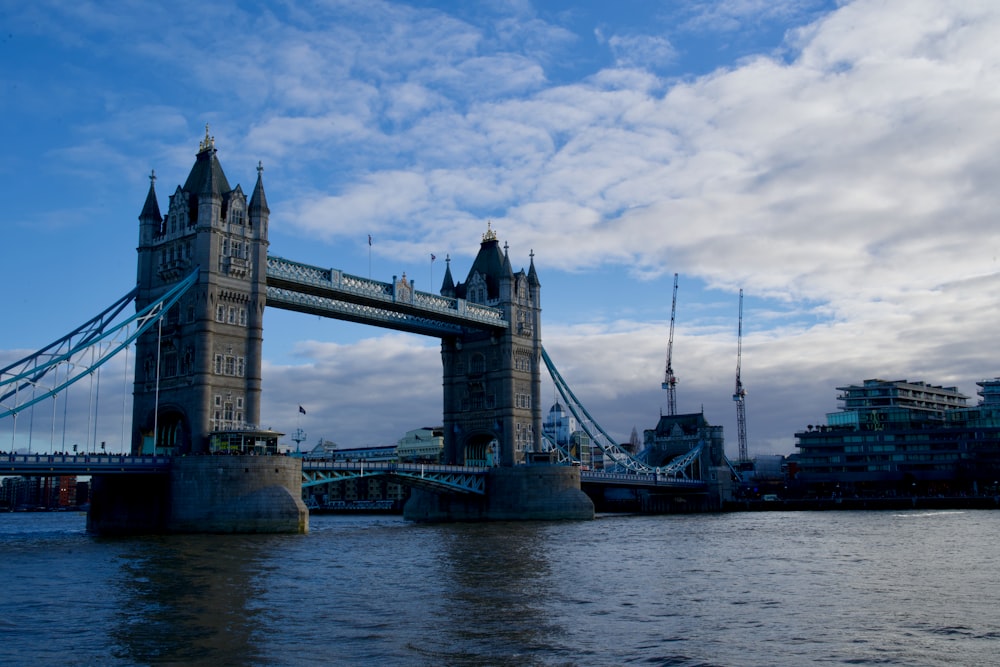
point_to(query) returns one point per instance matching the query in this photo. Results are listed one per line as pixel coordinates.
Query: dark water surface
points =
(775, 588)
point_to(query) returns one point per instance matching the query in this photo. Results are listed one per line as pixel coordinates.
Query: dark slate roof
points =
(258, 202)
(489, 264)
(690, 423)
(532, 275)
(151, 209)
(448, 285)
(206, 175)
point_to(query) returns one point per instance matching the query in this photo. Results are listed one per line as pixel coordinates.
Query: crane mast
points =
(739, 395)
(669, 379)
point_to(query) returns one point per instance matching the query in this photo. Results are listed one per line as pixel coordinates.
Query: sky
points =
(835, 160)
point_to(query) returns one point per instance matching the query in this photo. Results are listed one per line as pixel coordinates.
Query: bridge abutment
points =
(203, 494)
(519, 493)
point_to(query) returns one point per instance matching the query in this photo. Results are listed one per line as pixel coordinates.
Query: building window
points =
(243, 317)
(240, 367)
(220, 313)
(232, 315)
(170, 364)
(230, 365)
(218, 364)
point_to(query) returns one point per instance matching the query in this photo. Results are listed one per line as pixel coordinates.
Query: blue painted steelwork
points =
(435, 477)
(332, 293)
(621, 460)
(99, 333)
(82, 464)
(641, 480)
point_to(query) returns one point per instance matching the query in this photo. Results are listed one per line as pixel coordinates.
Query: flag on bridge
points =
(302, 409)
(433, 257)
(369, 239)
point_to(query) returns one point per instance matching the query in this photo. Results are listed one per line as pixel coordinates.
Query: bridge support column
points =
(237, 494)
(519, 493)
(203, 494)
(128, 504)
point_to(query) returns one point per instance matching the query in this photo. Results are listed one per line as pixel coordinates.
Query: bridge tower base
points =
(519, 493)
(204, 494)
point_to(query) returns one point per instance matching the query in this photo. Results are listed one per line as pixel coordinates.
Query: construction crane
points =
(669, 379)
(739, 395)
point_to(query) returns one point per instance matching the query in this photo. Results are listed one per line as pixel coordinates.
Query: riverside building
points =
(894, 438)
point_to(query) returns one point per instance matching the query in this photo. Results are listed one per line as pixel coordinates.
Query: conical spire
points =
(258, 202)
(151, 209)
(532, 275)
(448, 285)
(207, 177)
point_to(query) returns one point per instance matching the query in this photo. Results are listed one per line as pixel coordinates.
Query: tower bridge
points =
(198, 383)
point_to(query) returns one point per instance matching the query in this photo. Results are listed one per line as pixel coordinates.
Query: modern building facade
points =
(901, 438)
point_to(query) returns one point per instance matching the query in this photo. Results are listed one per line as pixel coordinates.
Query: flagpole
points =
(369, 256)
(430, 287)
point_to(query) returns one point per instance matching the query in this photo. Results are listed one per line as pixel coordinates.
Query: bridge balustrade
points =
(338, 281)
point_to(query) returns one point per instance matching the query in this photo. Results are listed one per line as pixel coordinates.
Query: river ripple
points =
(763, 588)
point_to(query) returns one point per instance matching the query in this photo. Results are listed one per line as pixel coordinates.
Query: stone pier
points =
(204, 494)
(520, 493)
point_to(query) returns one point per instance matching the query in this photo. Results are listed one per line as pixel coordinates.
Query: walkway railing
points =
(82, 464)
(461, 479)
(326, 291)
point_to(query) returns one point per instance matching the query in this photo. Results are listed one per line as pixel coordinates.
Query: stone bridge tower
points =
(492, 381)
(199, 375)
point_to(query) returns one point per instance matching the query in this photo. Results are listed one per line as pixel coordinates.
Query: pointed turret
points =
(486, 271)
(258, 202)
(532, 274)
(151, 209)
(448, 285)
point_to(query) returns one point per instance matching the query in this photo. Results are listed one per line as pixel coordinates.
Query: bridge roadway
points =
(441, 478)
(332, 293)
(82, 464)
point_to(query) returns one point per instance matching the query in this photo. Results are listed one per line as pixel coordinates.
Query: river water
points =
(768, 588)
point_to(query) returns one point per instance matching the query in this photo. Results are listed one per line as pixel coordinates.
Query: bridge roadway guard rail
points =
(326, 291)
(632, 479)
(456, 479)
(82, 464)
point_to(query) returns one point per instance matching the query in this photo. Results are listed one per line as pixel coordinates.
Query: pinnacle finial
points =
(209, 141)
(490, 235)
(260, 167)
(152, 176)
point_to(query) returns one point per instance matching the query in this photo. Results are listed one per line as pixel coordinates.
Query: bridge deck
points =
(82, 464)
(332, 293)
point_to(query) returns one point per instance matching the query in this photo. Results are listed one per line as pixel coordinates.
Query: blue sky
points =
(835, 160)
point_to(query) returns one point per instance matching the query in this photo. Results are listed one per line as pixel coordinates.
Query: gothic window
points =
(477, 364)
(218, 401)
(243, 317)
(232, 315)
(240, 367)
(170, 364)
(239, 402)
(478, 400)
(220, 313)
(230, 365)
(227, 411)
(218, 364)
